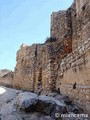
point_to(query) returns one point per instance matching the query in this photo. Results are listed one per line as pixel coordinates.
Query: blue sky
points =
(24, 21)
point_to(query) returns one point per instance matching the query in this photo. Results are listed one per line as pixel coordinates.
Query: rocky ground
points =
(23, 105)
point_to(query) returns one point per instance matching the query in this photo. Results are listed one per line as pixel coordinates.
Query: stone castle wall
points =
(81, 23)
(34, 68)
(37, 66)
(61, 28)
(75, 68)
(74, 75)
(63, 64)
(73, 24)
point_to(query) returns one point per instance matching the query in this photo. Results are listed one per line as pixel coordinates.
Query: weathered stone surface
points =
(8, 108)
(26, 100)
(7, 95)
(11, 117)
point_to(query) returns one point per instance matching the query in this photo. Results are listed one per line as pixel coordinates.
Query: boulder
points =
(74, 109)
(64, 99)
(25, 100)
(31, 102)
(49, 106)
(67, 100)
(36, 116)
(53, 94)
(46, 105)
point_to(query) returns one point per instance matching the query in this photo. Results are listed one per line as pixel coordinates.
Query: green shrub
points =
(50, 39)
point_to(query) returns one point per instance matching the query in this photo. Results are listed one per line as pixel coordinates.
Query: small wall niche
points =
(83, 7)
(74, 85)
